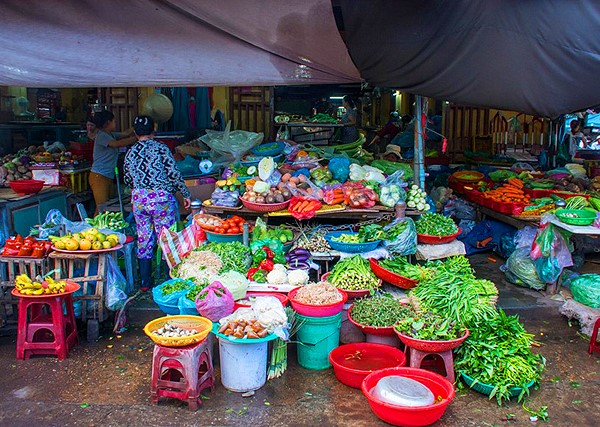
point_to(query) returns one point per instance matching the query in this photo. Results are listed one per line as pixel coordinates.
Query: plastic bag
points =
(339, 168)
(229, 146)
(115, 286)
(176, 245)
(406, 242)
(523, 270)
(303, 208)
(186, 306)
(586, 290)
(525, 236)
(393, 190)
(222, 197)
(236, 282)
(521, 166)
(172, 298)
(214, 302)
(188, 166)
(551, 252)
(460, 209)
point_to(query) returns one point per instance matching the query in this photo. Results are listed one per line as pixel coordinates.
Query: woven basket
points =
(431, 346)
(391, 277)
(201, 324)
(487, 389)
(205, 226)
(264, 207)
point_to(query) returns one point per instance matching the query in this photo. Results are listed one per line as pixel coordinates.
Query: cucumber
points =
(595, 203)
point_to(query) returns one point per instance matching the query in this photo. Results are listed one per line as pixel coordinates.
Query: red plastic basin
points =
(436, 240)
(431, 346)
(353, 362)
(406, 416)
(27, 186)
(360, 293)
(317, 310)
(391, 277)
(281, 297)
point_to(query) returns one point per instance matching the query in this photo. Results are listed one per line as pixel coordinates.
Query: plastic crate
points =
(77, 182)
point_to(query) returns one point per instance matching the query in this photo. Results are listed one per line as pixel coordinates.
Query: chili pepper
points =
(266, 264)
(260, 276)
(19, 239)
(269, 252)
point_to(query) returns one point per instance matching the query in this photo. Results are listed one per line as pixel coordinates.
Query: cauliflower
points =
(280, 267)
(297, 277)
(277, 277)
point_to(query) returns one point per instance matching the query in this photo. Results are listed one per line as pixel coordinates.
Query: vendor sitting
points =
(152, 174)
(387, 133)
(392, 153)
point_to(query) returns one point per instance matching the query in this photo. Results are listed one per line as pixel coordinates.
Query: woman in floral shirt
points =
(151, 172)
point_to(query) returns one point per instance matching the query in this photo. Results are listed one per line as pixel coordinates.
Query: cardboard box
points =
(201, 189)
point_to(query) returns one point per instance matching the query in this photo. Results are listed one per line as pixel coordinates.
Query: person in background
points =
(152, 174)
(349, 120)
(393, 153)
(91, 130)
(572, 141)
(387, 133)
(106, 155)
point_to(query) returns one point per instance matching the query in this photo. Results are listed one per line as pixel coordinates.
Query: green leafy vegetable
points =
(434, 224)
(233, 255)
(380, 310)
(429, 326)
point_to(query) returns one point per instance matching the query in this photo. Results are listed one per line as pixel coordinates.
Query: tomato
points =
(225, 225)
(219, 230)
(234, 230)
(237, 219)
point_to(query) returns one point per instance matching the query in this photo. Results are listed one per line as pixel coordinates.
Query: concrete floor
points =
(108, 383)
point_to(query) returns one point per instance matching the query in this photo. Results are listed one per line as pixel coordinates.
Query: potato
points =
(286, 177)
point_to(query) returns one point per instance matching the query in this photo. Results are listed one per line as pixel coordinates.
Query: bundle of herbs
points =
(498, 353)
(430, 327)
(382, 310)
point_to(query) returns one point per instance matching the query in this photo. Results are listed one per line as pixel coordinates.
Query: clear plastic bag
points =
(215, 302)
(551, 252)
(525, 236)
(406, 242)
(229, 146)
(115, 286)
(523, 271)
(393, 190)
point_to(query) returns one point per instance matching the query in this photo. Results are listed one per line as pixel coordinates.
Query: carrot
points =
(301, 206)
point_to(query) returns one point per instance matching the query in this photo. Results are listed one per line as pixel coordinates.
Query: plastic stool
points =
(182, 373)
(417, 356)
(60, 321)
(594, 346)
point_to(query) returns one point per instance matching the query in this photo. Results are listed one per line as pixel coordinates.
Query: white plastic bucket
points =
(243, 365)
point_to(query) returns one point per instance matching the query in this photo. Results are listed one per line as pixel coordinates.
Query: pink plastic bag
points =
(215, 302)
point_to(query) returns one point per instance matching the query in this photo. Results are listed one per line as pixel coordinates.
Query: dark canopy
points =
(539, 57)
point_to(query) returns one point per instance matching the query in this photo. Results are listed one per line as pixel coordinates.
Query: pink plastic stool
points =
(182, 373)
(594, 346)
(59, 320)
(417, 356)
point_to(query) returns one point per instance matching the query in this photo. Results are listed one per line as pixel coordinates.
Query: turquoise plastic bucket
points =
(317, 336)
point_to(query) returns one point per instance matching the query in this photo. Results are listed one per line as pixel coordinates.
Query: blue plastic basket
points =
(272, 152)
(487, 389)
(352, 248)
(168, 309)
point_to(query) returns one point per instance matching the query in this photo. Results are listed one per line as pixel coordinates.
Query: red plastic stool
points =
(594, 346)
(417, 356)
(52, 314)
(182, 373)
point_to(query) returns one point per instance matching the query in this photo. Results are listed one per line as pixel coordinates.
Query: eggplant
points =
(298, 265)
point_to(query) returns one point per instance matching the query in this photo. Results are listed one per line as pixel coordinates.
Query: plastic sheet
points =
(229, 146)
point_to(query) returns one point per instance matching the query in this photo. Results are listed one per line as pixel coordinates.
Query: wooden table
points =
(517, 222)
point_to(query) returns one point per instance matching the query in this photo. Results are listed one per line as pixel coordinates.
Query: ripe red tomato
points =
(234, 230)
(219, 230)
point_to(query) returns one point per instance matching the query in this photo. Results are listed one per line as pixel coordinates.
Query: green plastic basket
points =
(584, 217)
(487, 389)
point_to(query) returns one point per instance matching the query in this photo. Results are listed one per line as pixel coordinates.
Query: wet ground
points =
(108, 383)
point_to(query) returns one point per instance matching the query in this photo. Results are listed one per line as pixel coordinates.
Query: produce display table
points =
(517, 222)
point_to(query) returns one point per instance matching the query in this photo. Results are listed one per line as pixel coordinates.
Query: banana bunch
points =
(28, 287)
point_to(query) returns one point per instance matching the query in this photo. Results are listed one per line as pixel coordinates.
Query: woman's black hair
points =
(349, 100)
(101, 118)
(143, 125)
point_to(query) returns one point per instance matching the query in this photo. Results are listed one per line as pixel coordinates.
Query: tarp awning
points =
(83, 43)
(538, 57)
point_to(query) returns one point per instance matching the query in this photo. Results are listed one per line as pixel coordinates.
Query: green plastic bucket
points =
(317, 336)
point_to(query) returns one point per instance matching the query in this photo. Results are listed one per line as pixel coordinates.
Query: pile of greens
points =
(174, 286)
(234, 255)
(434, 224)
(366, 234)
(401, 266)
(429, 326)
(353, 274)
(195, 290)
(381, 311)
(498, 353)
